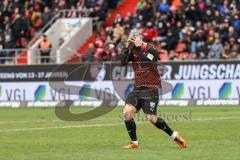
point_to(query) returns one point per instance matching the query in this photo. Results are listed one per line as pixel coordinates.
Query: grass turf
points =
(36, 134)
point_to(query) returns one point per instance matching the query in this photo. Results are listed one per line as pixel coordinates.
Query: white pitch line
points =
(99, 125)
(57, 127)
(57, 120)
(219, 118)
(11, 122)
(37, 121)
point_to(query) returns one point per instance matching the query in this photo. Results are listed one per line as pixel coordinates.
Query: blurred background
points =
(197, 41)
(56, 50)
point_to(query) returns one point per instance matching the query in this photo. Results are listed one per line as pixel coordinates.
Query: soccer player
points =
(145, 95)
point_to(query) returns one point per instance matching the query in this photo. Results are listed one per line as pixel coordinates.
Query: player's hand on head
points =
(136, 40)
(129, 38)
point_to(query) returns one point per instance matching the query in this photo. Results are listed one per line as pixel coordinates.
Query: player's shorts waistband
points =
(146, 92)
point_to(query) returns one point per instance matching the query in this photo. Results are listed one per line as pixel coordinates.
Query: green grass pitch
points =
(212, 133)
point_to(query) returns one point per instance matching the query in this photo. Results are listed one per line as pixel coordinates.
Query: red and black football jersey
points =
(145, 66)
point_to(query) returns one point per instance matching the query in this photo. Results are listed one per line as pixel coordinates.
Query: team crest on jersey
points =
(150, 56)
(152, 104)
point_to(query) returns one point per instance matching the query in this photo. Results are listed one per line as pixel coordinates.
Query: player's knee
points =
(152, 118)
(128, 113)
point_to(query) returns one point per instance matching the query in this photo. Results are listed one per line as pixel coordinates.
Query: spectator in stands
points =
(99, 52)
(90, 53)
(127, 23)
(202, 55)
(140, 4)
(232, 33)
(235, 54)
(136, 30)
(202, 47)
(134, 19)
(185, 29)
(149, 33)
(162, 32)
(118, 19)
(236, 23)
(171, 41)
(46, 15)
(146, 12)
(235, 50)
(164, 7)
(8, 41)
(129, 20)
(45, 47)
(82, 8)
(176, 5)
(118, 32)
(98, 17)
(19, 30)
(224, 9)
(226, 51)
(1, 51)
(24, 18)
(112, 4)
(110, 52)
(216, 49)
(91, 3)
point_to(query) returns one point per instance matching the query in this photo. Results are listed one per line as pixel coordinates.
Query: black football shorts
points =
(144, 98)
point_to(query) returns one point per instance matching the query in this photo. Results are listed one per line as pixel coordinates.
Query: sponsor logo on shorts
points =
(152, 105)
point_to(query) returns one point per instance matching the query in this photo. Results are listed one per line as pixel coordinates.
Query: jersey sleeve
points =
(127, 56)
(150, 56)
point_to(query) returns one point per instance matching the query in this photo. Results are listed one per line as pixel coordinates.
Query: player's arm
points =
(151, 55)
(126, 56)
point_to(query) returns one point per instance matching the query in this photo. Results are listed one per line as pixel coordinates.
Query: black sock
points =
(131, 128)
(161, 124)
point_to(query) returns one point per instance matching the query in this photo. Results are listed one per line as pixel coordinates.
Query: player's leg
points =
(150, 109)
(128, 114)
(161, 124)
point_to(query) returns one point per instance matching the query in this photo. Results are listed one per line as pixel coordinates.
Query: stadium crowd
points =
(182, 29)
(21, 19)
